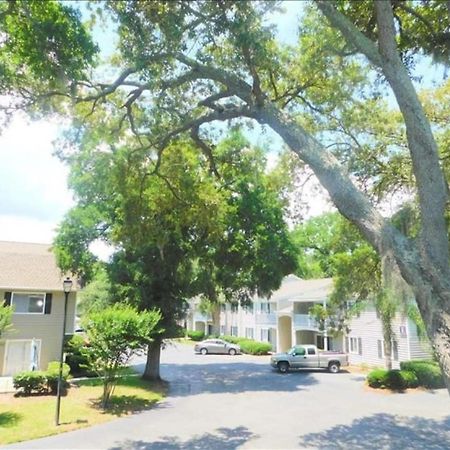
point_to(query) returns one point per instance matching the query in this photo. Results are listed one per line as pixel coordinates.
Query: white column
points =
(325, 334)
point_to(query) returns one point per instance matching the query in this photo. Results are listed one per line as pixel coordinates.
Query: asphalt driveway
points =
(224, 402)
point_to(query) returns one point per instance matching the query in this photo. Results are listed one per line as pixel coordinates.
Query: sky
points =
(34, 196)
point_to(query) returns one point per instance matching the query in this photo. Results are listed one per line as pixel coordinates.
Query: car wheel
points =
(334, 367)
(283, 366)
(232, 351)
(204, 351)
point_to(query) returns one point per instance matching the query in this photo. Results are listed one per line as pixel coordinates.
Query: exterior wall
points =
(368, 329)
(44, 327)
(419, 348)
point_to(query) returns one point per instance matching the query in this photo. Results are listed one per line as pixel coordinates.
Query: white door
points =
(20, 356)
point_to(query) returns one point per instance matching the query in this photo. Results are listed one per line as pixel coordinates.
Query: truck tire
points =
(204, 351)
(334, 367)
(283, 366)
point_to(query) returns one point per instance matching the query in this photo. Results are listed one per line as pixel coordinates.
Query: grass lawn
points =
(24, 418)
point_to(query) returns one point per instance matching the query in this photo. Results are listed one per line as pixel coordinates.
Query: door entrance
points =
(21, 355)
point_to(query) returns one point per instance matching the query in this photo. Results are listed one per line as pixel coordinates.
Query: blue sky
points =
(34, 194)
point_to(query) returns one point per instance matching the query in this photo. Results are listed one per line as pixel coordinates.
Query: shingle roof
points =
(29, 266)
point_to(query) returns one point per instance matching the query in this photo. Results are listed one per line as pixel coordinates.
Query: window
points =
(380, 349)
(403, 331)
(249, 333)
(395, 350)
(265, 335)
(223, 307)
(248, 308)
(311, 351)
(234, 331)
(264, 308)
(28, 303)
(353, 345)
(360, 346)
(234, 307)
(222, 329)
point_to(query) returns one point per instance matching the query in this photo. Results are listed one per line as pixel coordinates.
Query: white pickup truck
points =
(308, 357)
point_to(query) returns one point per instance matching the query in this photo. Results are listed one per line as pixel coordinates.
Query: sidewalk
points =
(6, 385)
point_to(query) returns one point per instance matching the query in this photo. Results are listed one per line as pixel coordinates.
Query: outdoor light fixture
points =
(67, 286)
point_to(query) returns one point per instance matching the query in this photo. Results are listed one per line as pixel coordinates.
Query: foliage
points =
(96, 295)
(115, 334)
(30, 381)
(196, 335)
(412, 374)
(44, 47)
(429, 374)
(76, 357)
(249, 346)
(52, 376)
(254, 347)
(6, 313)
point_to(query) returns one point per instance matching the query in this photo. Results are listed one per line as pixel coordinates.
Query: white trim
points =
(19, 340)
(44, 294)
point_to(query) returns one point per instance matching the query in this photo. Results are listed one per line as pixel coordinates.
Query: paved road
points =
(224, 403)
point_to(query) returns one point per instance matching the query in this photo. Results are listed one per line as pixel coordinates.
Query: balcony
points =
(266, 319)
(305, 321)
(199, 317)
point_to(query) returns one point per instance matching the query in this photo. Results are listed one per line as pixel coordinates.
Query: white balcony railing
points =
(305, 321)
(199, 317)
(266, 319)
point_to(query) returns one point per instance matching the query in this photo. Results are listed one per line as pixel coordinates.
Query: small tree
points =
(115, 335)
(5, 317)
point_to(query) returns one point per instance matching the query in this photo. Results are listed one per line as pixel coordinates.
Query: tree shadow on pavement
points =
(221, 439)
(236, 378)
(384, 431)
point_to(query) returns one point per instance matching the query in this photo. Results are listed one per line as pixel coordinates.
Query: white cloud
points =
(33, 194)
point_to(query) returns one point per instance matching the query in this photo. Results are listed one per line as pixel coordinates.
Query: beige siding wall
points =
(45, 327)
(368, 328)
(419, 348)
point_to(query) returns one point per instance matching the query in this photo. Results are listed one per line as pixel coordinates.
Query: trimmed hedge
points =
(40, 382)
(249, 346)
(30, 381)
(412, 374)
(255, 347)
(196, 335)
(428, 373)
(397, 380)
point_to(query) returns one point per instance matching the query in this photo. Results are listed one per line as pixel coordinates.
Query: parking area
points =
(228, 402)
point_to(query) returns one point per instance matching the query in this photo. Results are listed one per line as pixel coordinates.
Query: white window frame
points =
(265, 331)
(251, 334)
(355, 350)
(30, 294)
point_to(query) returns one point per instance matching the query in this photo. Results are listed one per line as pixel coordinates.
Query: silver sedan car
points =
(218, 346)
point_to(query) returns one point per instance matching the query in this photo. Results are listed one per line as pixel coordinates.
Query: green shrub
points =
(410, 378)
(52, 375)
(377, 378)
(196, 335)
(230, 339)
(428, 373)
(76, 357)
(255, 347)
(30, 381)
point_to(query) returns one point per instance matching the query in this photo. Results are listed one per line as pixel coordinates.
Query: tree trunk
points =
(215, 314)
(152, 366)
(431, 287)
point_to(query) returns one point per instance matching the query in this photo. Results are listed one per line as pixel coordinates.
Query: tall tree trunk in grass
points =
(152, 366)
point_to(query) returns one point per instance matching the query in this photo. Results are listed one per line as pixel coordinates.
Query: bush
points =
(377, 378)
(410, 378)
(255, 347)
(428, 373)
(196, 335)
(392, 379)
(30, 381)
(52, 376)
(234, 339)
(76, 358)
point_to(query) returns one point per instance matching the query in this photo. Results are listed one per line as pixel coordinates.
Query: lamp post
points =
(67, 285)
